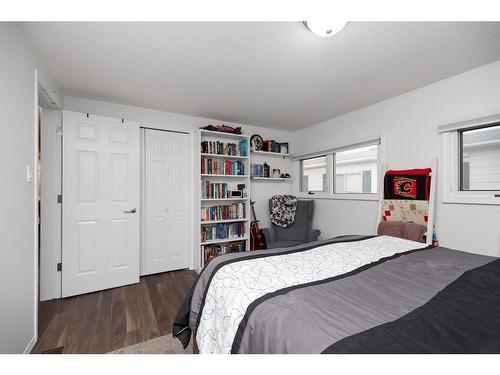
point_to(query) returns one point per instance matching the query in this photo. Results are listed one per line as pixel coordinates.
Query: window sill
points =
(347, 196)
(466, 198)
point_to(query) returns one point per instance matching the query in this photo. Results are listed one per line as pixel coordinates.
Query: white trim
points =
(383, 169)
(377, 140)
(341, 196)
(469, 123)
(432, 203)
(51, 186)
(35, 216)
(142, 211)
(451, 179)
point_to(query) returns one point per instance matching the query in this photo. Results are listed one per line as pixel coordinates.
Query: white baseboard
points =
(30, 345)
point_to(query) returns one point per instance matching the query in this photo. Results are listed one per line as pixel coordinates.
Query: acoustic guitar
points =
(257, 239)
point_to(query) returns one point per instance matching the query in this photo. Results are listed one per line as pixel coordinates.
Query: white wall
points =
(408, 126)
(260, 191)
(18, 293)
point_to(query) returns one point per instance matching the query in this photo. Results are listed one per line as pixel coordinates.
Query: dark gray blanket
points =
(311, 317)
(462, 318)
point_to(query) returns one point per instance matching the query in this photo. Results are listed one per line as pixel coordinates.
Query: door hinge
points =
(59, 130)
(59, 198)
(59, 267)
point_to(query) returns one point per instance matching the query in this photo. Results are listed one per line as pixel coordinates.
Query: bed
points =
(350, 294)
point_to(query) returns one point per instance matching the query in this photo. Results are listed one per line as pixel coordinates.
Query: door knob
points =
(131, 211)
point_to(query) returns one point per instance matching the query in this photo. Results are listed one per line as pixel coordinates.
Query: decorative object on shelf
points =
(222, 129)
(266, 170)
(256, 142)
(243, 144)
(270, 145)
(285, 175)
(276, 173)
(236, 194)
(275, 146)
(257, 170)
(243, 189)
(284, 148)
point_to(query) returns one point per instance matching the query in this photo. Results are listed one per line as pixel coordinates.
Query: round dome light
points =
(325, 28)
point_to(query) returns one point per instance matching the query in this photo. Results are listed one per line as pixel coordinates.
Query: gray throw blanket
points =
(283, 209)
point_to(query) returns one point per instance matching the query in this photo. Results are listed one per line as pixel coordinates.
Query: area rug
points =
(160, 345)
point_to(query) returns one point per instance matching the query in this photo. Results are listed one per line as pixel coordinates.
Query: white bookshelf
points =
(232, 181)
(278, 179)
(235, 239)
(217, 156)
(223, 175)
(274, 154)
(223, 199)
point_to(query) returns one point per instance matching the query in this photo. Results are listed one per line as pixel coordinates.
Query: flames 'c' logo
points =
(405, 187)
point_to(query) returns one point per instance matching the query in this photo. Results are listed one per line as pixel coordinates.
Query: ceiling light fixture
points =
(325, 28)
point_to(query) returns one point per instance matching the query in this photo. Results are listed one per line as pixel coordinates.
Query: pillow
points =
(402, 229)
(391, 228)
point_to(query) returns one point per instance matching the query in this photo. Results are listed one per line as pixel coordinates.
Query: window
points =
(480, 159)
(356, 170)
(346, 172)
(314, 174)
(471, 161)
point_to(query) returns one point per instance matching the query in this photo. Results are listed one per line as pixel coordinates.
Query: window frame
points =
(330, 170)
(452, 156)
(314, 192)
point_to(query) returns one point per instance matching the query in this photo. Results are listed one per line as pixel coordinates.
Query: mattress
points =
(353, 294)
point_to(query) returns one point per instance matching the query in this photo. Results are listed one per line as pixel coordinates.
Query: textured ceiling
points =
(271, 74)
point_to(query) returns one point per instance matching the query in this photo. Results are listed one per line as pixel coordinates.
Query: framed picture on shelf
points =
(284, 148)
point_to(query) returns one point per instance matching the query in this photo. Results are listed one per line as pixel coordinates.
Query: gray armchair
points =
(298, 233)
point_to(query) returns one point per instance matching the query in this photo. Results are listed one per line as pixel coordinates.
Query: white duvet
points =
(236, 285)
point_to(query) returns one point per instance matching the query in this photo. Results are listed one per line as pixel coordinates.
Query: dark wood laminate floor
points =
(111, 319)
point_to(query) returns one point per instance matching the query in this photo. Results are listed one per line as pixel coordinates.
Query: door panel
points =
(167, 201)
(101, 186)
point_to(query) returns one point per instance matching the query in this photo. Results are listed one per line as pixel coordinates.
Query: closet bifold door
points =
(166, 189)
(101, 201)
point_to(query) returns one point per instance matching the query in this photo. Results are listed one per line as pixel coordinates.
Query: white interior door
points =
(101, 196)
(167, 201)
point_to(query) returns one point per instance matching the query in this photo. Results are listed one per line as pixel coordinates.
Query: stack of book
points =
(223, 212)
(214, 190)
(211, 251)
(222, 148)
(222, 231)
(224, 167)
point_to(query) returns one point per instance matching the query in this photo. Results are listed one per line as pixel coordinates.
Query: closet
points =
(165, 214)
(125, 204)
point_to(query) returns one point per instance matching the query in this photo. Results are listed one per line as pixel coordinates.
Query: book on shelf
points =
(211, 251)
(225, 148)
(222, 231)
(214, 190)
(223, 212)
(223, 167)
